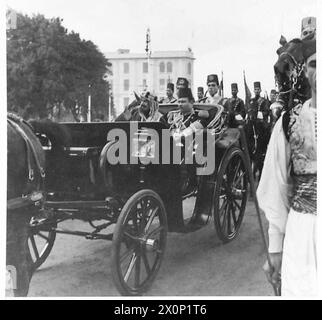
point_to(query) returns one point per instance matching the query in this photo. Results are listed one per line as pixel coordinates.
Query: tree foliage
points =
(47, 65)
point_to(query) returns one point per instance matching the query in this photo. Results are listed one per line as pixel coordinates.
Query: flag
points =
(148, 40)
(11, 16)
(248, 94)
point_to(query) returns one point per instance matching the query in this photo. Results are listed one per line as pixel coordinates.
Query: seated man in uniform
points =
(186, 120)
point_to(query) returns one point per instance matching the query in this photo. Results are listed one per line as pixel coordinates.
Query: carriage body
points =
(82, 183)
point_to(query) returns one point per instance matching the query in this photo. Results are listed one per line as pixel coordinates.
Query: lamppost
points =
(89, 109)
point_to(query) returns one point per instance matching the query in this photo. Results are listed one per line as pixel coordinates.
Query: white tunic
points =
(290, 232)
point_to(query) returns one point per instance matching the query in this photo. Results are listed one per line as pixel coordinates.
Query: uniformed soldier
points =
(235, 108)
(182, 83)
(200, 94)
(213, 89)
(186, 120)
(170, 98)
(258, 107)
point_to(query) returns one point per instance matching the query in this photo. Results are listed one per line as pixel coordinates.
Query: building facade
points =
(136, 72)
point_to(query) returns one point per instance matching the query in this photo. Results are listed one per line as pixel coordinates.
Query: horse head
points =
(289, 72)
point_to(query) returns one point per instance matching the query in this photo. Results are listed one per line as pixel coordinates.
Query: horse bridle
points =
(295, 73)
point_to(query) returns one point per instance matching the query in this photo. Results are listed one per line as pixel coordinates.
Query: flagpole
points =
(147, 50)
(222, 84)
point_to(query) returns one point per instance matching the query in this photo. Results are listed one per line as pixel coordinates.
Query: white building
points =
(135, 72)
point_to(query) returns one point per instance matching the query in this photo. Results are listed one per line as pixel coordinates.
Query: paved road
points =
(195, 264)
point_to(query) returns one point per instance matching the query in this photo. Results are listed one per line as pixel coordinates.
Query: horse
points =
(290, 79)
(25, 191)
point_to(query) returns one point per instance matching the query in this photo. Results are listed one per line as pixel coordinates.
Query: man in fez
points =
(186, 119)
(213, 89)
(235, 108)
(170, 98)
(200, 94)
(258, 108)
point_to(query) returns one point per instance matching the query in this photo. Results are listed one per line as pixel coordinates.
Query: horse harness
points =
(30, 197)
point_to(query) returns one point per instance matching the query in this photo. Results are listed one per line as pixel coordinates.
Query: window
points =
(189, 68)
(126, 101)
(169, 66)
(126, 67)
(144, 83)
(162, 67)
(162, 84)
(145, 67)
(126, 85)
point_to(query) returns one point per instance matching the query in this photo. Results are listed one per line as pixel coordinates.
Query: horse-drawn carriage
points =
(115, 177)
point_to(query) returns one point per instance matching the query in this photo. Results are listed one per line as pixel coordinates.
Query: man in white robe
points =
(287, 194)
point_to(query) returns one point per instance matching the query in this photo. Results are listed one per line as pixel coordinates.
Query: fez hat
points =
(257, 84)
(308, 26)
(183, 82)
(170, 86)
(309, 48)
(212, 78)
(234, 86)
(185, 93)
(200, 89)
(273, 91)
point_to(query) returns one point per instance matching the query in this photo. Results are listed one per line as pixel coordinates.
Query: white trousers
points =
(299, 264)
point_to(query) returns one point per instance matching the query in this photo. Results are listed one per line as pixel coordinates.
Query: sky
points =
(227, 35)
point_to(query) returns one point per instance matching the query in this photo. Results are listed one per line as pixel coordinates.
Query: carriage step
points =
(101, 204)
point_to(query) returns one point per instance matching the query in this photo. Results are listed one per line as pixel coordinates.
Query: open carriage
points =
(133, 183)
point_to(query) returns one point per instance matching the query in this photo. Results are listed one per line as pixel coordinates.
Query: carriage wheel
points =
(139, 242)
(40, 243)
(230, 195)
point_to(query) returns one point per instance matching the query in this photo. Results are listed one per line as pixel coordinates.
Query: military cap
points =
(212, 78)
(309, 48)
(273, 91)
(183, 82)
(257, 84)
(170, 86)
(308, 26)
(200, 89)
(234, 86)
(185, 93)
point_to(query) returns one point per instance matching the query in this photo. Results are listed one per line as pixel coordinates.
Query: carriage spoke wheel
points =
(230, 195)
(139, 242)
(40, 242)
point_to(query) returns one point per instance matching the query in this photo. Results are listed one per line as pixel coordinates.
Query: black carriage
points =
(135, 203)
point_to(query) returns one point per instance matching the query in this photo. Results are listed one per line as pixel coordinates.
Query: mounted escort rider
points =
(235, 108)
